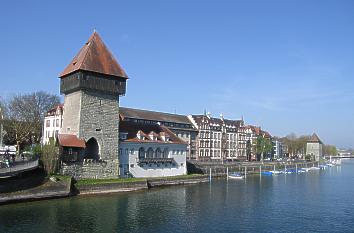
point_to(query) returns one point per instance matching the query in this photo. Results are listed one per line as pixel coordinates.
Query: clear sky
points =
(287, 66)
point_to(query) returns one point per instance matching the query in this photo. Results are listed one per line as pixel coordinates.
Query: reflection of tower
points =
(92, 84)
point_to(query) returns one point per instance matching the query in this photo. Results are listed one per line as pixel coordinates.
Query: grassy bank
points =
(107, 181)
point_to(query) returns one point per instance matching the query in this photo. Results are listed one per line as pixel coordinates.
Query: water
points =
(317, 202)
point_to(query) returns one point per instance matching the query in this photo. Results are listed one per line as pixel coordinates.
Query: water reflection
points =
(308, 202)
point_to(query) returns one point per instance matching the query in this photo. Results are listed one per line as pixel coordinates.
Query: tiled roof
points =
(217, 122)
(133, 128)
(94, 56)
(151, 115)
(69, 140)
(314, 138)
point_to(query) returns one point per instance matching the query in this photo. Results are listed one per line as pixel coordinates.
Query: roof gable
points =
(94, 56)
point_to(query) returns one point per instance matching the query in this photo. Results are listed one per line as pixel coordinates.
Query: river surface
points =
(321, 201)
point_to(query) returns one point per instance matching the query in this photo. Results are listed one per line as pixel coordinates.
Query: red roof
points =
(314, 138)
(95, 56)
(69, 140)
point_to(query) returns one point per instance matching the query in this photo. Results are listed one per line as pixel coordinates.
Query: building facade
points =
(150, 150)
(314, 147)
(92, 84)
(219, 138)
(53, 122)
(180, 125)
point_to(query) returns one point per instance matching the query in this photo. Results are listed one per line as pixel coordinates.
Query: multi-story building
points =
(178, 124)
(53, 121)
(277, 149)
(219, 138)
(150, 150)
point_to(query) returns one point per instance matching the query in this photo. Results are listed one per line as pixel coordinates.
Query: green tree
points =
(263, 145)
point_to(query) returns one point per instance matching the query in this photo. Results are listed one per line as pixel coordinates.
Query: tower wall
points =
(99, 118)
(71, 116)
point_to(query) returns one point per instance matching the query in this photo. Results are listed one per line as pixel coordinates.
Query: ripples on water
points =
(317, 202)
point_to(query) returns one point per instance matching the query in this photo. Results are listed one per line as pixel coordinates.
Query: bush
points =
(50, 157)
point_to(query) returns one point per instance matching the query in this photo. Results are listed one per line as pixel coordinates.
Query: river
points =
(320, 201)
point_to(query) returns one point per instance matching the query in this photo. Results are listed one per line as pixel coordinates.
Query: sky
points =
(287, 66)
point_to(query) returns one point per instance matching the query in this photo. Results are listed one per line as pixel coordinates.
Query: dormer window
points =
(153, 136)
(165, 137)
(140, 135)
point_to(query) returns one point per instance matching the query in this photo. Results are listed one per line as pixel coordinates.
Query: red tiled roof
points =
(69, 140)
(314, 138)
(133, 128)
(95, 56)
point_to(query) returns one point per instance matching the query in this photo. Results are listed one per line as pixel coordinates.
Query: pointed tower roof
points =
(314, 138)
(95, 56)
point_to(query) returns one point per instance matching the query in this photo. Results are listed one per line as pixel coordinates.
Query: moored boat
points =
(236, 175)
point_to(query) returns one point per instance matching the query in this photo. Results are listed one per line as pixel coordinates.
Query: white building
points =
(150, 151)
(53, 122)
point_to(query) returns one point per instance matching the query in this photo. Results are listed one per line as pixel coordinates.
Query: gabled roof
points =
(94, 56)
(314, 138)
(69, 140)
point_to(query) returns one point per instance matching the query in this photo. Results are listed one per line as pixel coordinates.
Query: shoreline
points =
(68, 187)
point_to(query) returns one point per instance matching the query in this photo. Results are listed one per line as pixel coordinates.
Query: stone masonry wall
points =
(100, 119)
(93, 170)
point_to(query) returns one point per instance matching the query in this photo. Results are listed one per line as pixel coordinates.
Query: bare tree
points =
(25, 115)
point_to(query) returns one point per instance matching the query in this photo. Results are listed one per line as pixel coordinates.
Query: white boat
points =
(337, 162)
(314, 168)
(276, 172)
(236, 175)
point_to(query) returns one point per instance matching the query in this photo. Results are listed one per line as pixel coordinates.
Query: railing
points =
(18, 167)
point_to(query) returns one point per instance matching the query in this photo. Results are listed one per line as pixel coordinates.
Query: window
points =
(70, 151)
(47, 124)
(57, 122)
(53, 123)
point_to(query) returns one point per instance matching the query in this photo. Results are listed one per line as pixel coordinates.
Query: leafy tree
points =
(330, 150)
(263, 145)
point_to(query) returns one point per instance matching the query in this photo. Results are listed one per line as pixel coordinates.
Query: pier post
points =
(285, 169)
(260, 170)
(227, 173)
(210, 174)
(274, 168)
(245, 171)
(296, 168)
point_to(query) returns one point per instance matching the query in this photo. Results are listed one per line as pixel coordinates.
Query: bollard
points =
(209, 174)
(260, 170)
(227, 173)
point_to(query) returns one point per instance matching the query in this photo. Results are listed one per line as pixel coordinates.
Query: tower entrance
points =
(92, 149)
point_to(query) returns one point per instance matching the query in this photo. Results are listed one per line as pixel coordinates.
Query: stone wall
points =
(100, 119)
(92, 170)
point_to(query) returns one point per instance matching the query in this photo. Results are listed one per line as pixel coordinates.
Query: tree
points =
(50, 157)
(25, 114)
(263, 145)
(330, 150)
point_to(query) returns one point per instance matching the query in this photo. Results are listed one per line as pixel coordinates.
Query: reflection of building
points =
(92, 84)
(314, 147)
(178, 124)
(53, 122)
(219, 139)
(150, 150)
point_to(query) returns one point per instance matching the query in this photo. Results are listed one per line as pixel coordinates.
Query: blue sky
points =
(287, 66)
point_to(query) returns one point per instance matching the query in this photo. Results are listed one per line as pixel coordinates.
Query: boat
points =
(236, 175)
(322, 167)
(314, 168)
(337, 162)
(267, 173)
(301, 170)
(276, 172)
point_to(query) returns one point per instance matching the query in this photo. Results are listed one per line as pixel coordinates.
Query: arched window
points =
(150, 153)
(158, 153)
(141, 153)
(165, 153)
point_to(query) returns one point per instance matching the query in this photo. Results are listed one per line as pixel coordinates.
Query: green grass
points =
(108, 181)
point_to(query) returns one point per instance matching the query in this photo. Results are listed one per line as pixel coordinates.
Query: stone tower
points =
(92, 84)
